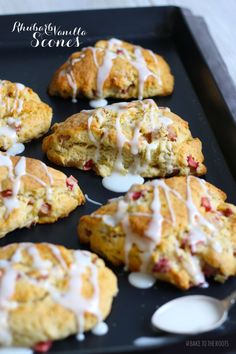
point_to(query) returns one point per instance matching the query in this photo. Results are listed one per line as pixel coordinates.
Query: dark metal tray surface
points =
(203, 96)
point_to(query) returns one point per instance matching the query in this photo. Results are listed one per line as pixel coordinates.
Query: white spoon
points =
(192, 314)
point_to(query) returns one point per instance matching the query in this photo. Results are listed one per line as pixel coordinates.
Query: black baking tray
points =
(204, 96)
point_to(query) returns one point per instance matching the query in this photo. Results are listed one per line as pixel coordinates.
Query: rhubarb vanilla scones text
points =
(23, 116)
(180, 229)
(113, 68)
(31, 192)
(136, 137)
(49, 292)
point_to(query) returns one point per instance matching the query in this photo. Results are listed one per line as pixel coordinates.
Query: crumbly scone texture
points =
(78, 76)
(180, 229)
(137, 136)
(44, 302)
(22, 112)
(31, 192)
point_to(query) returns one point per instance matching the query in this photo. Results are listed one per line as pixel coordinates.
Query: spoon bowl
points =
(192, 314)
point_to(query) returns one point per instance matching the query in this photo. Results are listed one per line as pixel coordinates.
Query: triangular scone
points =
(136, 137)
(31, 192)
(49, 292)
(113, 68)
(179, 229)
(23, 116)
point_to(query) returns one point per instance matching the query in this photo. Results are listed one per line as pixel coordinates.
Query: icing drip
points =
(200, 229)
(98, 103)
(155, 226)
(9, 131)
(73, 85)
(141, 280)
(104, 70)
(143, 71)
(100, 329)
(71, 298)
(119, 183)
(15, 149)
(15, 174)
(51, 181)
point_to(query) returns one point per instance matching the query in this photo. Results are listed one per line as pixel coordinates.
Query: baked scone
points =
(49, 292)
(23, 116)
(137, 137)
(179, 229)
(113, 68)
(31, 192)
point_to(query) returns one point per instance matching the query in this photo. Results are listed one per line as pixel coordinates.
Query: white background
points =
(220, 16)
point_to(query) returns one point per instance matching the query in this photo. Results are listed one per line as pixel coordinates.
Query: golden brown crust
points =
(182, 224)
(79, 75)
(22, 112)
(31, 192)
(156, 142)
(44, 300)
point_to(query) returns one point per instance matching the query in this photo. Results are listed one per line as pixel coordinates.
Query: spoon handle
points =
(229, 301)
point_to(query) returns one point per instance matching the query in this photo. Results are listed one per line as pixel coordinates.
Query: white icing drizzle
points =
(105, 68)
(137, 60)
(143, 71)
(91, 200)
(15, 174)
(9, 131)
(94, 52)
(200, 228)
(154, 230)
(51, 180)
(71, 298)
(119, 180)
(69, 74)
(72, 82)
(12, 202)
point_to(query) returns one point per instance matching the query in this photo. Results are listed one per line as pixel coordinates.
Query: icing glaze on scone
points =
(136, 138)
(23, 116)
(113, 68)
(179, 229)
(31, 192)
(48, 292)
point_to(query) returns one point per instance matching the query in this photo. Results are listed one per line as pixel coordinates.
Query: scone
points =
(23, 116)
(113, 68)
(31, 192)
(180, 229)
(49, 292)
(137, 137)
